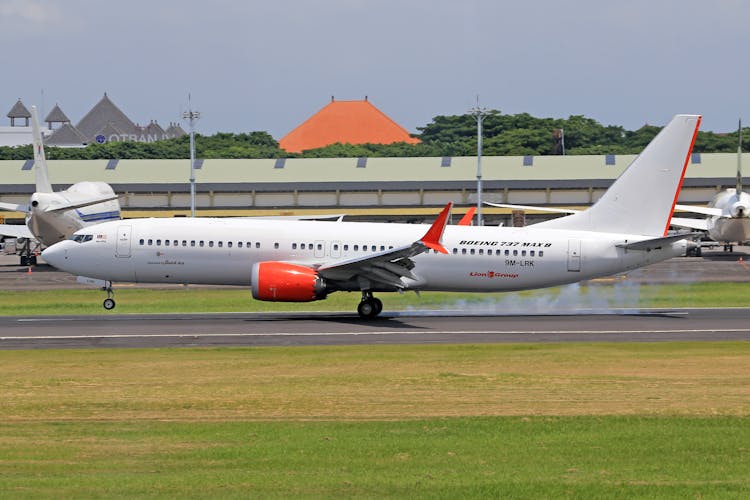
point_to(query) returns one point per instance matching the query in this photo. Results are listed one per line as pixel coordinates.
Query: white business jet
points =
(302, 261)
(728, 212)
(54, 216)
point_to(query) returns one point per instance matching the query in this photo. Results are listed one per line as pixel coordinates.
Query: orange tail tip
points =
(468, 216)
(432, 237)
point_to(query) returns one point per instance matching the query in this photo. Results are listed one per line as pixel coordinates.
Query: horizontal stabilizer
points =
(657, 243)
(81, 204)
(699, 224)
(700, 210)
(529, 207)
(13, 207)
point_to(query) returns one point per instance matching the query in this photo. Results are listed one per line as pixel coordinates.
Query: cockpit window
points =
(82, 238)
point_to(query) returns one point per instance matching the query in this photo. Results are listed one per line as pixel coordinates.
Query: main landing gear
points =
(370, 306)
(109, 302)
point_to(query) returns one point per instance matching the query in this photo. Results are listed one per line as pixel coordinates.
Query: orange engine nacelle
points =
(282, 282)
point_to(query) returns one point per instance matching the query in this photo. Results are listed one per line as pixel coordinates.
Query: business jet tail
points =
(642, 199)
(43, 184)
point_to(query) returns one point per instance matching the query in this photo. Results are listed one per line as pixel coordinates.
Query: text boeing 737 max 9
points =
(301, 261)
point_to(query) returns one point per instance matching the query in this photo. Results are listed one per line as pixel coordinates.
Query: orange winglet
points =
(433, 235)
(468, 216)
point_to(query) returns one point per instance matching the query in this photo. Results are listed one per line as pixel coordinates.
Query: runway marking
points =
(375, 333)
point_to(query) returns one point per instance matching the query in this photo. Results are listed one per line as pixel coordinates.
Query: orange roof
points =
(347, 122)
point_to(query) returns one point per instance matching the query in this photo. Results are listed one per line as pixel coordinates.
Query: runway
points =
(427, 327)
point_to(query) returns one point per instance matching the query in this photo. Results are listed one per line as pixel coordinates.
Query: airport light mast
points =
(479, 114)
(192, 117)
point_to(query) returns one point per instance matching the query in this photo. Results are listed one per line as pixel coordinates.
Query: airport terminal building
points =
(364, 188)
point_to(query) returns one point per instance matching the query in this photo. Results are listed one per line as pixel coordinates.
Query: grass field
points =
(662, 420)
(198, 299)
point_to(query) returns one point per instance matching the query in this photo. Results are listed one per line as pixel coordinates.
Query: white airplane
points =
(302, 261)
(728, 212)
(54, 216)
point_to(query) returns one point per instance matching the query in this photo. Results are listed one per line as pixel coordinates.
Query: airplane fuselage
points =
(734, 224)
(223, 252)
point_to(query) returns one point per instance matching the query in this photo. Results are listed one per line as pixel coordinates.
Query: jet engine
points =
(284, 282)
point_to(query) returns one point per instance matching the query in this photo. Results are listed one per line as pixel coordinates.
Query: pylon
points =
(29, 271)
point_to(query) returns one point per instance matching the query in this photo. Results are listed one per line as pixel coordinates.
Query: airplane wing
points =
(700, 224)
(16, 231)
(529, 207)
(71, 206)
(337, 217)
(13, 207)
(700, 210)
(390, 266)
(468, 216)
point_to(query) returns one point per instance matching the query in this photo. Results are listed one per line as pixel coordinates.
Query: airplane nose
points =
(56, 255)
(739, 210)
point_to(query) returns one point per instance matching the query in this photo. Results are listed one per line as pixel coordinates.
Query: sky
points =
(250, 65)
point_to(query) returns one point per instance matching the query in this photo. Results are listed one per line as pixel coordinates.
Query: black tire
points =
(378, 306)
(366, 309)
(108, 304)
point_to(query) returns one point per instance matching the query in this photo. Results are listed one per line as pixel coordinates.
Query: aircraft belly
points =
(732, 230)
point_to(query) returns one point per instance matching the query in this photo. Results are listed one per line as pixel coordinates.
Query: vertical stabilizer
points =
(739, 162)
(642, 199)
(43, 184)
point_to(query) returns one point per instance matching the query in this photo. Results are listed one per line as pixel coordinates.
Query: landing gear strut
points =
(109, 302)
(370, 306)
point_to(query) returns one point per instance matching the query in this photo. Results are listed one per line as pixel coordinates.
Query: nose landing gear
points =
(370, 306)
(109, 302)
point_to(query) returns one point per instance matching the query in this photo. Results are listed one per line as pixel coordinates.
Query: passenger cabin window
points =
(141, 242)
(229, 244)
(221, 244)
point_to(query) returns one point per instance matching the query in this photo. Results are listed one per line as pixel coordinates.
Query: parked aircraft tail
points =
(738, 188)
(642, 199)
(43, 184)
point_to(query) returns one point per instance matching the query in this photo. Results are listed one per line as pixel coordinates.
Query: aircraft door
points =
(123, 241)
(574, 255)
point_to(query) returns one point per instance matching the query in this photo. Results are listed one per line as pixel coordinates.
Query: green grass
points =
(511, 457)
(197, 299)
(666, 420)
